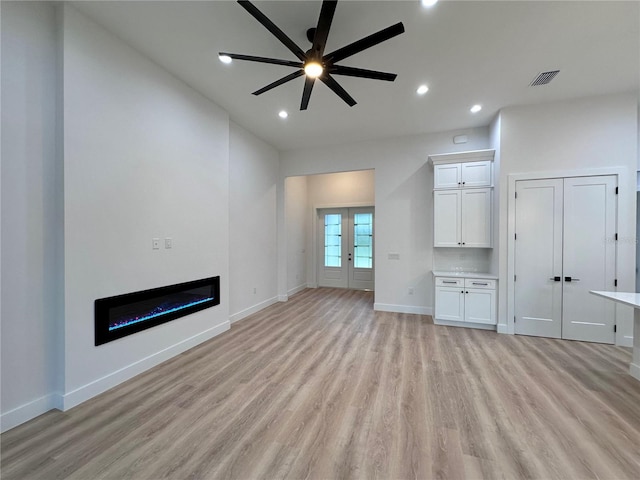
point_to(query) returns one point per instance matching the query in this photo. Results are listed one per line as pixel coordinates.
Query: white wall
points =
(345, 189)
(145, 156)
(31, 211)
(565, 138)
(297, 232)
(403, 200)
(253, 177)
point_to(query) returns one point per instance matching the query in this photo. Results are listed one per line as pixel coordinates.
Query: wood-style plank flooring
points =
(324, 387)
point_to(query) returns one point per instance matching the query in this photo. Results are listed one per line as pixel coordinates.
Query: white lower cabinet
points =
(465, 300)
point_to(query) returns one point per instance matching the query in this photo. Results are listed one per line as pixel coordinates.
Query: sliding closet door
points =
(589, 258)
(538, 258)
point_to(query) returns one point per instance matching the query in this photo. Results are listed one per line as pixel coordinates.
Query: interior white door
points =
(589, 252)
(538, 258)
(346, 246)
(565, 246)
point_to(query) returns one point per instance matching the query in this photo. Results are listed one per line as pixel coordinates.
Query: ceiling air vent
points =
(544, 78)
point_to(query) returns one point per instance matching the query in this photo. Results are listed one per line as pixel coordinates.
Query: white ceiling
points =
(467, 52)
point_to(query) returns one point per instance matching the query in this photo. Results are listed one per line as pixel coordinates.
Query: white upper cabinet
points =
(462, 218)
(475, 217)
(462, 175)
(463, 170)
(463, 199)
(448, 175)
(476, 174)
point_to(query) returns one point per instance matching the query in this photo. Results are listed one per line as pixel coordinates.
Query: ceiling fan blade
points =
(306, 93)
(251, 58)
(324, 24)
(364, 43)
(362, 73)
(337, 89)
(275, 31)
(277, 83)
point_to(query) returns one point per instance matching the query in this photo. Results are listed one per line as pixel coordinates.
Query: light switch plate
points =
(168, 242)
(155, 243)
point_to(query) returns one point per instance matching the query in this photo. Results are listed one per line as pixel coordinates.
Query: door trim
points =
(315, 232)
(506, 324)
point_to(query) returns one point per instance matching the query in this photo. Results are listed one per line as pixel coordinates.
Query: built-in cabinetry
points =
(462, 199)
(467, 300)
(465, 295)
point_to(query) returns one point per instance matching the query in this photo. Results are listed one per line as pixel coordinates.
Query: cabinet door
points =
(479, 306)
(447, 176)
(446, 218)
(476, 174)
(476, 218)
(449, 304)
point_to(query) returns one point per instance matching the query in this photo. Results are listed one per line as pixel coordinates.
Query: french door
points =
(345, 250)
(565, 246)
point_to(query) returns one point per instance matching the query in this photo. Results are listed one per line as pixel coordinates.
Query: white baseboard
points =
(626, 341)
(479, 326)
(502, 328)
(283, 298)
(30, 410)
(297, 289)
(634, 370)
(251, 310)
(90, 390)
(386, 307)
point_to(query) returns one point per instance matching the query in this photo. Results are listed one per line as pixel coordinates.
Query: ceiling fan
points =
(314, 63)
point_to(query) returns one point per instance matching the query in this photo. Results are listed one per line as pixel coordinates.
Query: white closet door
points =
(538, 258)
(589, 258)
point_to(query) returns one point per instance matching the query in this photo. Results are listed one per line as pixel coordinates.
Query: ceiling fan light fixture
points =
(313, 69)
(422, 89)
(283, 114)
(224, 58)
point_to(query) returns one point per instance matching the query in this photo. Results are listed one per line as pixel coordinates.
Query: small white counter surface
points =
(628, 298)
(442, 273)
(633, 300)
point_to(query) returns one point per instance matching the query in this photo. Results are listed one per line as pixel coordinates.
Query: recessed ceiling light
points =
(476, 108)
(428, 3)
(283, 114)
(224, 58)
(422, 89)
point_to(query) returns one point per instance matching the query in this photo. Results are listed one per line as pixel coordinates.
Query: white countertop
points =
(627, 298)
(442, 273)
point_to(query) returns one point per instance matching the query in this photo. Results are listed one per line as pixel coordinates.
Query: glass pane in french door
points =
(362, 240)
(333, 240)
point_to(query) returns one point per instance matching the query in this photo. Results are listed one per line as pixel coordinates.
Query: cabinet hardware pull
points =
(478, 283)
(555, 279)
(569, 279)
(448, 281)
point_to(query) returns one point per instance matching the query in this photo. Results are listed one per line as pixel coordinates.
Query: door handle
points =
(569, 279)
(555, 279)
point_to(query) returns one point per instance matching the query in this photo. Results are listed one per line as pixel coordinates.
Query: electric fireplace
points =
(122, 315)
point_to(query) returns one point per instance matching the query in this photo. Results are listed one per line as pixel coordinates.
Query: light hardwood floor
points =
(323, 387)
